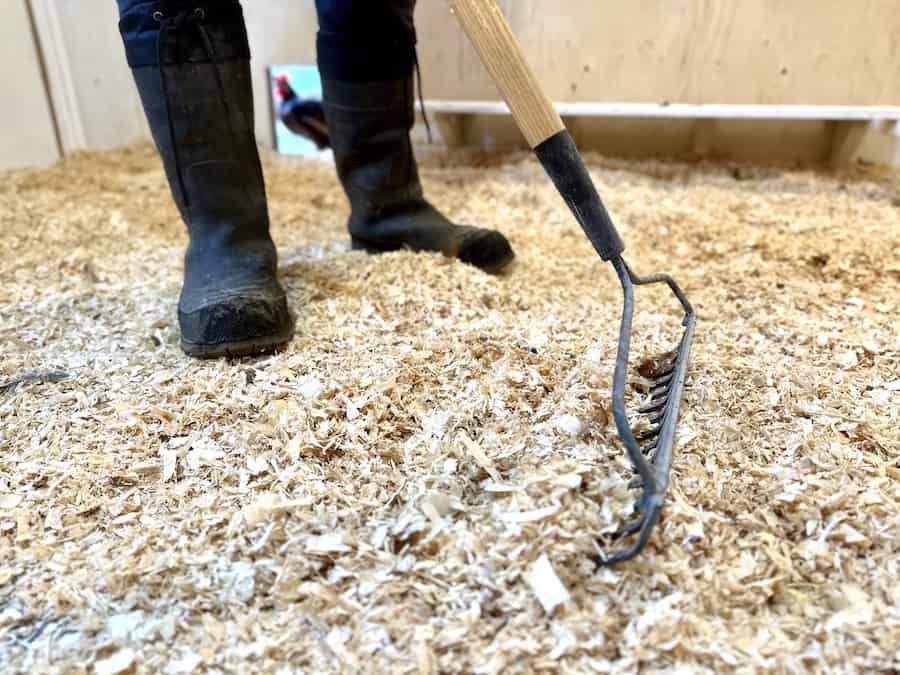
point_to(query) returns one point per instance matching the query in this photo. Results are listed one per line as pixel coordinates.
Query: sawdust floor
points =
(377, 497)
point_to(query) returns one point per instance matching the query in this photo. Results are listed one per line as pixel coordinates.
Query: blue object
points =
(304, 80)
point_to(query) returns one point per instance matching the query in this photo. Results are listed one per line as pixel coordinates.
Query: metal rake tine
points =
(652, 408)
(628, 528)
(659, 392)
(661, 381)
(644, 527)
(662, 393)
(649, 433)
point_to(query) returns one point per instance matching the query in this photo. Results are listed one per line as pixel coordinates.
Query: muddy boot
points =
(192, 69)
(369, 124)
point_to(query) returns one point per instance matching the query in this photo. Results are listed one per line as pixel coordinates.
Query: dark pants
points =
(358, 40)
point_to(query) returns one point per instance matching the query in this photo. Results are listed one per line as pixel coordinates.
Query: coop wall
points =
(812, 52)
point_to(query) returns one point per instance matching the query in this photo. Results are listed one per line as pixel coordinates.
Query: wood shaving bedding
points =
(416, 484)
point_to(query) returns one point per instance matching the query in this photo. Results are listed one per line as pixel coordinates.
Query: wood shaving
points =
(397, 489)
(546, 585)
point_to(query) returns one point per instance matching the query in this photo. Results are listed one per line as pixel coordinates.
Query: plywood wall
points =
(816, 52)
(27, 134)
(692, 51)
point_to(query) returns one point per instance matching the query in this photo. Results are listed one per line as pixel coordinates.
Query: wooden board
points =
(681, 110)
(28, 136)
(766, 52)
(813, 52)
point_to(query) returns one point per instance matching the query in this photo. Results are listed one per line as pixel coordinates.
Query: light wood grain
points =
(503, 58)
(770, 52)
(766, 52)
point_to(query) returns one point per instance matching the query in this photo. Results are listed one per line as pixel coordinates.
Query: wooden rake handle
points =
(538, 120)
(501, 54)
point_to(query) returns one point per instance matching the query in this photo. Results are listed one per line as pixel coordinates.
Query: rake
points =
(650, 451)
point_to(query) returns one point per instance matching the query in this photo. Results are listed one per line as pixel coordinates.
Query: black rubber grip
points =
(564, 165)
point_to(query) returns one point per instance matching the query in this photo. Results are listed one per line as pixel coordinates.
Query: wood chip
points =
(480, 456)
(545, 584)
(531, 516)
(119, 662)
(327, 543)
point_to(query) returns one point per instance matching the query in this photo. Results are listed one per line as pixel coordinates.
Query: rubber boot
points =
(369, 125)
(197, 97)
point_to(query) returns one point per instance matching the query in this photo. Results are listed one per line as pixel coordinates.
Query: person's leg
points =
(190, 62)
(366, 52)
(366, 40)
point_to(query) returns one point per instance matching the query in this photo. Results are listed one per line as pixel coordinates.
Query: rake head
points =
(651, 450)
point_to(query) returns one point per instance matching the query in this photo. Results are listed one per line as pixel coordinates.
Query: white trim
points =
(682, 110)
(60, 83)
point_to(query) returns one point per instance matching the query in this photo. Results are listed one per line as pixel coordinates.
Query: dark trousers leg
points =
(125, 5)
(358, 40)
(366, 40)
(224, 22)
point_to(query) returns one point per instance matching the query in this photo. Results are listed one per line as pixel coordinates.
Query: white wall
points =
(106, 101)
(27, 134)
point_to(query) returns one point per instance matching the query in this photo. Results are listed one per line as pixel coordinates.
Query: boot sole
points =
(358, 244)
(232, 350)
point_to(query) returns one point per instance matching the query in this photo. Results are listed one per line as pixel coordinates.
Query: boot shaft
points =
(190, 63)
(139, 26)
(369, 125)
(194, 123)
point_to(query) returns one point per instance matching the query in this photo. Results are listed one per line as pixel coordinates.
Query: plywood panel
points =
(827, 52)
(824, 52)
(27, 134)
